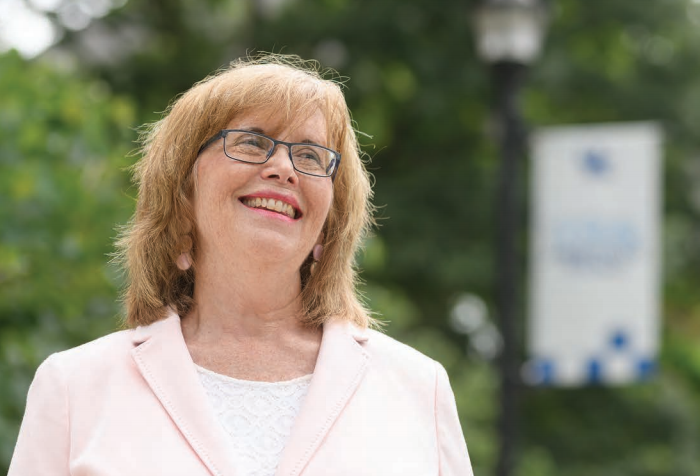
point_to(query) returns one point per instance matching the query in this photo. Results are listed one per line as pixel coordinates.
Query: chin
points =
(273, 247)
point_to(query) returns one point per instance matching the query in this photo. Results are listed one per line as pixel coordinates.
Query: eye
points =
(249, 140)
(307, 155)
(247, 147)
(310, 159)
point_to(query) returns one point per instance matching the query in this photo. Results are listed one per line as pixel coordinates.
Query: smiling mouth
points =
(272, 205)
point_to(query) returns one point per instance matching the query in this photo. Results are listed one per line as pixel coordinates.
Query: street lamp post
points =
(509, 37)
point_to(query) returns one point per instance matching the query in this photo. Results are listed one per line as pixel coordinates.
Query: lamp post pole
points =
(507, 78)
(509, 37)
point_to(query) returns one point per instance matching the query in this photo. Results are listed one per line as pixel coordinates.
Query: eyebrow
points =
(260, 131)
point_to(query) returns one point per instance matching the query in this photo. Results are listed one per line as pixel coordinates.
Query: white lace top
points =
(258, 417)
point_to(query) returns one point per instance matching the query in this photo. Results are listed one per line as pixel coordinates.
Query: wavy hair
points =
(163, 224)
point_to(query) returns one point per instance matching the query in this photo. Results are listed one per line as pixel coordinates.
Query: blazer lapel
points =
(341, 365)
(162, 357)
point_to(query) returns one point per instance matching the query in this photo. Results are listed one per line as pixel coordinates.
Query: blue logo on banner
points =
(619, 344)
(596, 163)
(595, 371)
(645, 369)
(619, 340)
(543, 371)
(618, 349)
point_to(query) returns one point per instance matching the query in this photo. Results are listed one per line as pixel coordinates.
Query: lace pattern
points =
(257, 416)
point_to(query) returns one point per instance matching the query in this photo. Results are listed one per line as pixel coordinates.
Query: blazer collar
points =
(342, 363)
(162, 357)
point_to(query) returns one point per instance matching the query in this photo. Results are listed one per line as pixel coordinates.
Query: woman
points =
(248, 351)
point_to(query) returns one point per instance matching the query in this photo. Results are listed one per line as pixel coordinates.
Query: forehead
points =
(311, 126)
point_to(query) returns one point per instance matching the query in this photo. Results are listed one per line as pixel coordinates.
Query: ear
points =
(184, 262)
(317, 250)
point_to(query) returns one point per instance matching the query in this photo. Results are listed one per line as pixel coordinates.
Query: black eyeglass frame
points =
(335, 163)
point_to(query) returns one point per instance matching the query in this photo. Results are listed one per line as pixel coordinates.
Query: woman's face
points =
(233, 199)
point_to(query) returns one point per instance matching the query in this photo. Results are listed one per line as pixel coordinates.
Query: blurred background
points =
(77, 77)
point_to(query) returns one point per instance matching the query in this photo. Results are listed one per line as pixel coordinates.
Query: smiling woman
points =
(259, 96)
(247, 351)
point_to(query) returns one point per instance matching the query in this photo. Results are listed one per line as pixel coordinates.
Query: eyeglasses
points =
(255, 148)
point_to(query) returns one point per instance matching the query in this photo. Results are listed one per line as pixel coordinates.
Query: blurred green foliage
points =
(63, 145)
(420, 94)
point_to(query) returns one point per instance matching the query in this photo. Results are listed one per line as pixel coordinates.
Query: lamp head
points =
(510, 30)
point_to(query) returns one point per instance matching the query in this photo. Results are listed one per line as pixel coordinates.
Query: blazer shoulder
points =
(101, 351)
(396, 354)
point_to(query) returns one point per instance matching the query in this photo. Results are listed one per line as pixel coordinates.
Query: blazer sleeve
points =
(452, 449)
(43, 444)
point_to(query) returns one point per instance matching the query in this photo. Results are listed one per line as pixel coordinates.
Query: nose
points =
(279, 166)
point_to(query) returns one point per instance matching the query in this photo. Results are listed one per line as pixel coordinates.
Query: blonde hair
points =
(163, 225)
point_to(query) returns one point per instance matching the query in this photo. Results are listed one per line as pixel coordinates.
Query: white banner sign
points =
(595, 254)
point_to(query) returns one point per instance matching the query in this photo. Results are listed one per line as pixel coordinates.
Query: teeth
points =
(270, 204)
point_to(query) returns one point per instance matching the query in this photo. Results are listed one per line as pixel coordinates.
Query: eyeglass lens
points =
(255, 148)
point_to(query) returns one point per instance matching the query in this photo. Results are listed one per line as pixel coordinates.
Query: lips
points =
(276, 204)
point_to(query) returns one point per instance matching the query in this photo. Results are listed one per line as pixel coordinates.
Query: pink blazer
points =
(131, 404)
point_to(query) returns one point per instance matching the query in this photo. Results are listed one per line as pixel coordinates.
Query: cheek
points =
(325, 201)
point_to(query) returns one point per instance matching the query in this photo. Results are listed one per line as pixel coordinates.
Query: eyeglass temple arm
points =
(211, 141)
(337, 166)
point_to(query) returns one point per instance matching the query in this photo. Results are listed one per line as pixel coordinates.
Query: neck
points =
(248, 325)
(260, 302)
